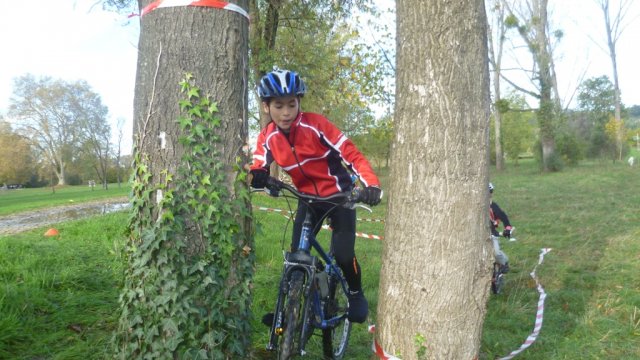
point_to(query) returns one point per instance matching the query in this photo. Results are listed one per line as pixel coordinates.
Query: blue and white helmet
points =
(281, 83)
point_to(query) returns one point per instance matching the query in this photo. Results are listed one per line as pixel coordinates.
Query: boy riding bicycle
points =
(314, 152)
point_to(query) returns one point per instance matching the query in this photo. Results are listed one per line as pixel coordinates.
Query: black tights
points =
(343, 237)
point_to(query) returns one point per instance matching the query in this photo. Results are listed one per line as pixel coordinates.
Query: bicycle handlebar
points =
(510, 237)
(354, 196)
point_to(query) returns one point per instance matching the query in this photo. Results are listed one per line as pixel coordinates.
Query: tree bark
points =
(435, 274)
(212, 45)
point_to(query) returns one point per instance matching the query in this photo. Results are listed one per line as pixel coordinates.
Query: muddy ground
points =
(33, 219)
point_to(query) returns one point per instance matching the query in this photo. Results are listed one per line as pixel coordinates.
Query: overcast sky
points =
(76, 39)
(71, 40)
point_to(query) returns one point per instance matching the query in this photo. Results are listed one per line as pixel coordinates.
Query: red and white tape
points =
(539, 314)
(273, 210)
(371, 220)
(377, 349)
(204, 3)
(358, 234)
(326, 227)
(289, 212)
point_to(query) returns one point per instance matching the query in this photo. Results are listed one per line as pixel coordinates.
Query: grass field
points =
(18, 200)
(58, 296)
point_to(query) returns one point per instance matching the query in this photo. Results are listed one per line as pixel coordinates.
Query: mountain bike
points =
(312, 293)
(497, 278)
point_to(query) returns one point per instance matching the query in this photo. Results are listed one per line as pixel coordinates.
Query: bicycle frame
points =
(301, 259)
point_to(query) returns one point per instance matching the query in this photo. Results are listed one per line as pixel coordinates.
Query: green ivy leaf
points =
(167, 215)
(193, 92)
(195, 112)
(206, 180)
(164, 283)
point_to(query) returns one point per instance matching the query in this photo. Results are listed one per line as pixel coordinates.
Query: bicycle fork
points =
(303, 263)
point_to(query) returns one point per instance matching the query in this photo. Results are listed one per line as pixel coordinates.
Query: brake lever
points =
(272, 190)
(355, 197)
(353, 206)
(273, 187)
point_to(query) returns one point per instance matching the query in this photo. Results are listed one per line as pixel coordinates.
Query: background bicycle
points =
(498, 278)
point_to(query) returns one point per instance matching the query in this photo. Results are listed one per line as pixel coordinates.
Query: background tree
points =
(376, 140)
(617, 132)
(51, 113)
(186, 291)
(284, 33)
(118, 149)
(344, 76)
(614, 27)
(517, 127)
(95, 137)
(530, 18)
(596, 100)
(16, 160)
(434, 280)
(497, 29)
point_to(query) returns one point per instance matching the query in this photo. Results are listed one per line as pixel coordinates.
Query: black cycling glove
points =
(259, 178)
(371, 195)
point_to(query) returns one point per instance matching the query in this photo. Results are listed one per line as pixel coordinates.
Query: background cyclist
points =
(496, 215)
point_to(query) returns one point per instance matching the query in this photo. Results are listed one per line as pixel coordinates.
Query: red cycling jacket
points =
(313, 155)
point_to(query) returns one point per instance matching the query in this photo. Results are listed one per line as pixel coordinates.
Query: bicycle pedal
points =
(267, 319)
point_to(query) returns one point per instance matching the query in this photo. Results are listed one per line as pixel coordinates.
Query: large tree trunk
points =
(437, 256)
(546, 111)
(187, 304)
(212, 45)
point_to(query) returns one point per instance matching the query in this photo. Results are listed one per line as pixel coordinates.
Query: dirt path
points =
(32, 219)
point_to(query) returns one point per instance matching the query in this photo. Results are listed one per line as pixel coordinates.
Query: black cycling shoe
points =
(358, 307)
(267, 319)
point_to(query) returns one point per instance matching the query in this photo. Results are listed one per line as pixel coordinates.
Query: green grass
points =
(589, 215)
(18, 200)
(58, 295)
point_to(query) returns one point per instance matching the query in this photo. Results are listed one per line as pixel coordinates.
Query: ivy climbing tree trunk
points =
(531, 20)
(186, 291)
(546, 111)
(435, 274)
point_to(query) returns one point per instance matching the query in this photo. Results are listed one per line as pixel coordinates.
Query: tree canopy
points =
(16, 157)
(57, 117)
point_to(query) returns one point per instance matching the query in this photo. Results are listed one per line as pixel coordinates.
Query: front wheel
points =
(287, 348)
(335, 340)
(497, 281)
